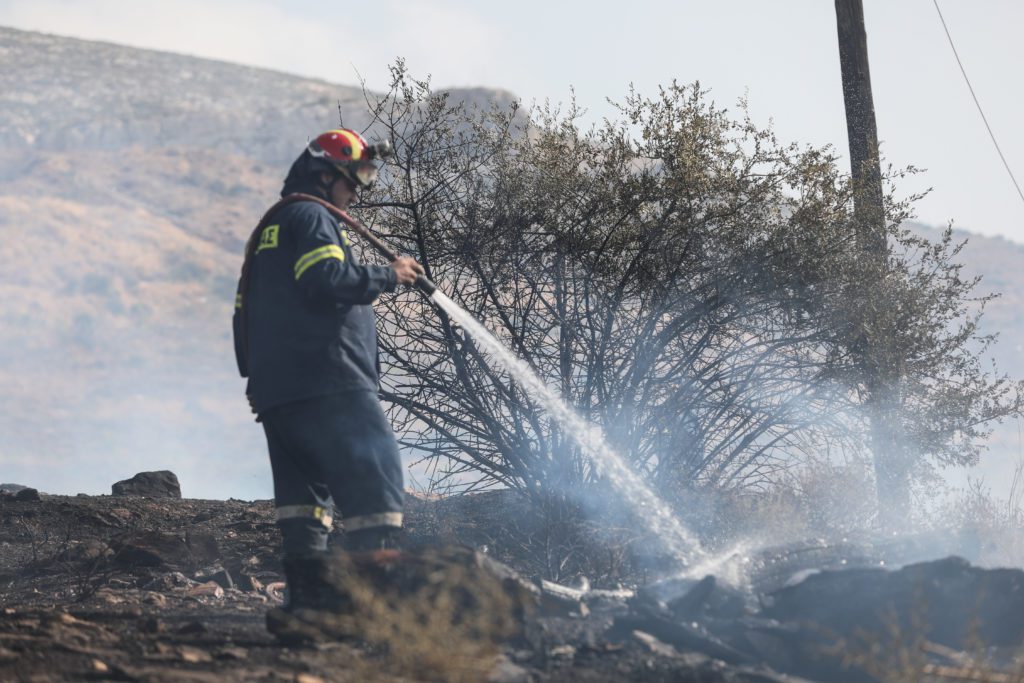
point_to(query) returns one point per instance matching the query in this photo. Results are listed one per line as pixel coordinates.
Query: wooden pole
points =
(860, 124)
(878, 359)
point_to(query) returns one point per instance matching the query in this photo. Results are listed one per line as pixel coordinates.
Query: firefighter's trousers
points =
(336, 450)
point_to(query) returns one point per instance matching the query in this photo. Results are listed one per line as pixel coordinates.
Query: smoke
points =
(645, 503)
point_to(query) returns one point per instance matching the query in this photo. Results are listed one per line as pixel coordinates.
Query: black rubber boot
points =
(312, 598)
(373, 538)
(304, 578)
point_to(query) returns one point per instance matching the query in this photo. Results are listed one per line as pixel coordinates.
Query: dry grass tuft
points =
(437, 616)
(997, 525)
(905, 655)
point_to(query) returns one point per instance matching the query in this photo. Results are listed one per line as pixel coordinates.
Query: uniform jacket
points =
(311, 326)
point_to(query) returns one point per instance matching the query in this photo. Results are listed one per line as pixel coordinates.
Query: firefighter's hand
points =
(406, 269)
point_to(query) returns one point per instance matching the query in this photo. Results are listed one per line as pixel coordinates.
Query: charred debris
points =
(145, 586)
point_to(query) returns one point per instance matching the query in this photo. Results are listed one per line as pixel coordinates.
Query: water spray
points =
(678, 541)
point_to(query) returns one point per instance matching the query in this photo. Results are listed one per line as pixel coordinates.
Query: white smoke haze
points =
(784, 60)
(643, 502)
(191, 417)
(331, 43)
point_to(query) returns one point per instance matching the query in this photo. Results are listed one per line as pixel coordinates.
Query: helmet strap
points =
(325, 187)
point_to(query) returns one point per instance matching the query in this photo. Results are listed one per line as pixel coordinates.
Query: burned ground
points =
(130, 588)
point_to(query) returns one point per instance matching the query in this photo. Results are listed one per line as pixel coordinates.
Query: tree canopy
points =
(684, 279)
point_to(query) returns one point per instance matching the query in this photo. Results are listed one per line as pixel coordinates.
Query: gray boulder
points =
(958, 603)
(162, 484)
(26, 494)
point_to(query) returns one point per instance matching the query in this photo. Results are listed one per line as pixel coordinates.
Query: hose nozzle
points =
(424, 284)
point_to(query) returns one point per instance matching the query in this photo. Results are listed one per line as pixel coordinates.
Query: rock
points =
(162, 484)
(194, 655)
(154, 598)
(562, 652)
(960, 604)
(11, 488)
(171, 581)
(275, 591)
(250, 583)
(8, 656)
(67, 619)
(684, 637)
(109, 596)
(193, 628)
(152, 549)
(204, 547)
(206, 590)
(121, 514)
(507, 671)
(91, 549)
(654, 645)
(231, 652)
(709, 598)
(162, 549)
(26, 494)
(217, 574)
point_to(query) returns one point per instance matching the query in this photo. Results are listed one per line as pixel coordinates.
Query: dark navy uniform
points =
(310, 354)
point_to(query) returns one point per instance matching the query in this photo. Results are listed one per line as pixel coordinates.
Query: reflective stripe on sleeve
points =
(393, 519)
(316, 256)
(307, 512)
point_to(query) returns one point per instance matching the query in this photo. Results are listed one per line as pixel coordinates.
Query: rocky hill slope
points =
(130, 179)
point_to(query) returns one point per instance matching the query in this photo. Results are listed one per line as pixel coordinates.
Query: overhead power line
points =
(976, 102)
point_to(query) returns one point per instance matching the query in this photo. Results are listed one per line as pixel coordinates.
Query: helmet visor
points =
(364, 173)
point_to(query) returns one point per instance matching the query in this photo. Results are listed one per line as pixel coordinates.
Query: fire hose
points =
(422, 283)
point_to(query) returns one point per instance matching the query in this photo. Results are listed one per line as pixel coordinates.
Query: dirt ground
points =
(120, 588)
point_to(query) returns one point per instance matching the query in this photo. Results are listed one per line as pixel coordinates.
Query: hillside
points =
(1000, 265)
(130, 179)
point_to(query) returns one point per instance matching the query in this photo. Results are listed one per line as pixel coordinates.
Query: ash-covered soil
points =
(140, 589)
(114, 588)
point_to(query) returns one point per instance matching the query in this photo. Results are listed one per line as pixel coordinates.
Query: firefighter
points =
(305, 336)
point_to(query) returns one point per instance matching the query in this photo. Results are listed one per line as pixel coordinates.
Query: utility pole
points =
(879, 361)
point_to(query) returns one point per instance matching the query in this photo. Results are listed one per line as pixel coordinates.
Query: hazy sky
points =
(781, 54)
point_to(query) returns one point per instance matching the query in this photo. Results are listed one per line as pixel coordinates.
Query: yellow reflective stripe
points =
(316, 256)
(306, 512)
(238, 300)
(393, 519)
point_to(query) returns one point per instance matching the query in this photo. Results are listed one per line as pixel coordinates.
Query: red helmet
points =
(350, 154)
